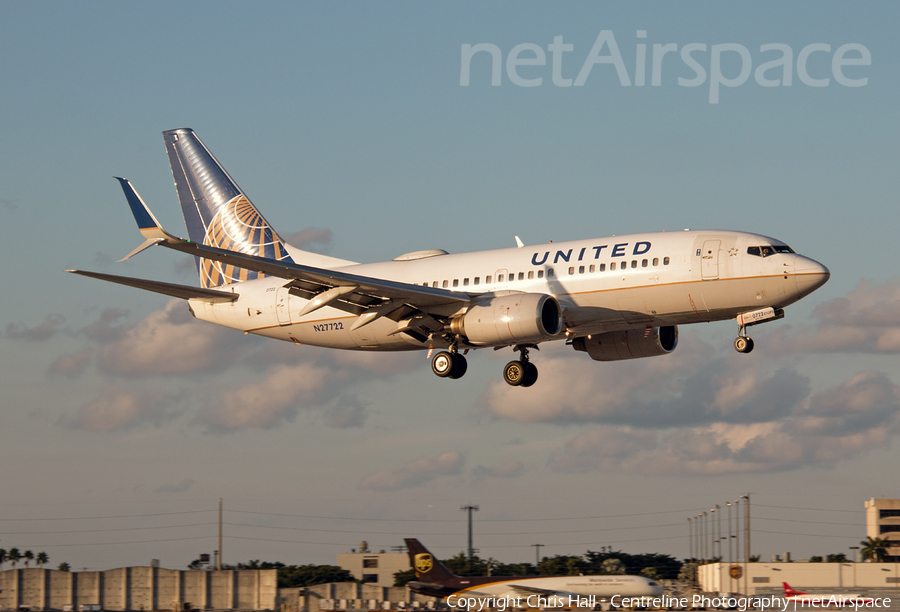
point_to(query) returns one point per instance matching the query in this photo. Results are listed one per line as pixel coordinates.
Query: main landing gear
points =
(449, 364)
(521, 373)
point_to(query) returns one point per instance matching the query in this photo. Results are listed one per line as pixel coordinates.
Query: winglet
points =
(148, 225)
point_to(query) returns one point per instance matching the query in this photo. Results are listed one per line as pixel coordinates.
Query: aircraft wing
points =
(369, 297)
(179, 291)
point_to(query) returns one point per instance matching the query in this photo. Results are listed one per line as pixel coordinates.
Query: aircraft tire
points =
(442, 364)
(742, 344)
(531, 374)
(514, 373)
(459, 367)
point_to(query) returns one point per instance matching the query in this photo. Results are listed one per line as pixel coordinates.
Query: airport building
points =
(883, 521)
(373, 568)
(138, 588)
(767, 578)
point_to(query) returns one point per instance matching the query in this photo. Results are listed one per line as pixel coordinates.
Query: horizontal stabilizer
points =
(183, 292)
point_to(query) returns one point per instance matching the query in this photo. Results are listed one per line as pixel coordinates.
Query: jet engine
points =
(518, 318)
(629, 344)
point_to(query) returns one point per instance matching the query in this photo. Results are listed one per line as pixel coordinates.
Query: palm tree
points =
(63, 567)
(42, 558)
(13, 555)
(2, 556)
(29, 556)
(873, 549)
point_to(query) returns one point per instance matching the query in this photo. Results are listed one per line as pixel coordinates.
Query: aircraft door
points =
(709, 260)
(283, 306)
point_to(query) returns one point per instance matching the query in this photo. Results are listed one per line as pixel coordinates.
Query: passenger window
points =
(634, 263)
(478, 280)
(581, 269)
(549, 272)
(655, 261)
(444, 284)
(612, 266)
(530, 274)
(665, 261)
(603, 267)
(456, 282)
(591, 270)
(540, 274)
(571, 270)
(435, 284)
(521, 276)
(487, 279)
(499, 278)
(465, 282)
(644, 263)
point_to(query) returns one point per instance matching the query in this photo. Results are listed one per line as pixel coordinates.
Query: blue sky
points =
(346, 124)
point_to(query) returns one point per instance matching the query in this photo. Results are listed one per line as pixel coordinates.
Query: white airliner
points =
(620, 297)
(435, 580)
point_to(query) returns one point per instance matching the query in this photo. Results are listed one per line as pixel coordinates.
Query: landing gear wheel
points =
(514, 373)
(442, 364)
(459, 366)
(743, 344)
(531, 374)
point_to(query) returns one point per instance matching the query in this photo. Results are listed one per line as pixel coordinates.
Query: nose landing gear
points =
(743, 344)
(521, 373)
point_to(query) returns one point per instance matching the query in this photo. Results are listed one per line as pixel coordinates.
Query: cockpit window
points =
(766, 250)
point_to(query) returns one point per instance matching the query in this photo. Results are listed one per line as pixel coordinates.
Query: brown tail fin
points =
(428, 568)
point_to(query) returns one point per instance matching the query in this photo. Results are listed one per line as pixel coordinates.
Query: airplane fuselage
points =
(602, 285)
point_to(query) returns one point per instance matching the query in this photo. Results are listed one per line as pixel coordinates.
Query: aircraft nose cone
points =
(810, 275)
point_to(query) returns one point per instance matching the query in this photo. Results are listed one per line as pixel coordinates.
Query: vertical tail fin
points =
(216, 211)
(428, 568)
(789, 592)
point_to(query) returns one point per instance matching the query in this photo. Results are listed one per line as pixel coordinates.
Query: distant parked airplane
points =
(826, 599)
(435, 580)
(613, 298)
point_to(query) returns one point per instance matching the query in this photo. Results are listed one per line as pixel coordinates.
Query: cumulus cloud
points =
(49, 327)
(414, 473)
(72, 365)
(511, 469)
(689, 387)
(108, 326)
(840, 423)
(169, 341)
(866, 321)
(271, 402)
(346, 412)
(119, 409)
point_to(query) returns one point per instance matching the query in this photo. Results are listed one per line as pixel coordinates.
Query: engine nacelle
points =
(519, 318)
(629, 344)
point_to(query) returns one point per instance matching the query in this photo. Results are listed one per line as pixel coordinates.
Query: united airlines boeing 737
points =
(613, 298)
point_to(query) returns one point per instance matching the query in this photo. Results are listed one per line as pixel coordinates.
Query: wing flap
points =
(178, 291)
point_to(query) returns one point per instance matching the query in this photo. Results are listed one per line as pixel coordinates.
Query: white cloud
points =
(511, 469)
(118, 409)
(49, 327)
(169, 341)
(72, 365)
(866, 321)
(414, 473)
(271, 402)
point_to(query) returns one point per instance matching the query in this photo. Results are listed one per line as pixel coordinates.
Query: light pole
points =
(537, 555)
(470, 509)
(690, 540)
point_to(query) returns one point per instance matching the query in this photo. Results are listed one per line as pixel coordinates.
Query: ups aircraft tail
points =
(428, 568)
